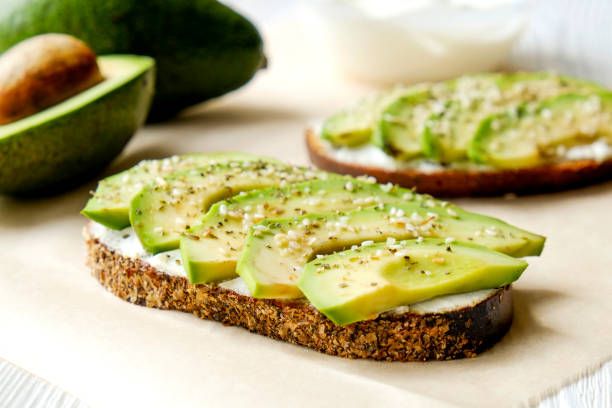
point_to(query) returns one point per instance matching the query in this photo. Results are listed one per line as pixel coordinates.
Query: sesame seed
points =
(491, 231)
(449, 240)
(367, 243)
(386, 187)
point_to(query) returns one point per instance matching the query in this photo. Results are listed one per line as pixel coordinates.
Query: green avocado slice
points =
(272, 261)
(400, 126)
(529, 139)
(447, 135)
(359, 284)
(164, 209)
(110, 203)
(71, 141)
(210, 250)
(353, 126)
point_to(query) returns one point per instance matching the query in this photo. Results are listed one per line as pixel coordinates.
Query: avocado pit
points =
(42, 71)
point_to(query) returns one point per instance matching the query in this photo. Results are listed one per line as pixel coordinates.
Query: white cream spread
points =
(370, 155)
(126, 243)
(598, 151)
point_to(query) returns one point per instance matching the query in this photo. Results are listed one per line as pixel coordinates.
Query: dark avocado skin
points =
(202, 48)
(58, 154)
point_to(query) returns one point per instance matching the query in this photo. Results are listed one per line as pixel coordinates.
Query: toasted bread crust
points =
(460, 183)
(400, 337)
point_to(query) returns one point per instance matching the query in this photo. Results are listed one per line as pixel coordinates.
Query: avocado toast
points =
(341, 265)
(483, 134)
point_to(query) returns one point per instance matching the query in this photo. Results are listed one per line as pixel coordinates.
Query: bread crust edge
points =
(400, 337)
(461, 183)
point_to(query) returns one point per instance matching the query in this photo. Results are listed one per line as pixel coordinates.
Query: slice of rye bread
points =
(461, 183)
(409, 336)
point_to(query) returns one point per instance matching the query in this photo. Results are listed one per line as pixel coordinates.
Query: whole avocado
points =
(202, 48)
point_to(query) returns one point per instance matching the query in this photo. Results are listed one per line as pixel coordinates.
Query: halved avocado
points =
(272, 262)
(71, 141)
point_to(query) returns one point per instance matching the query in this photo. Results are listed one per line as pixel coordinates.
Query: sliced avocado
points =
(164, 209)
(273, 258)
(110, 204)
(447, 134)
(359, 284)
(401, 125)
(210, 250)
(353, 126)
(543, 136)
(74, 139)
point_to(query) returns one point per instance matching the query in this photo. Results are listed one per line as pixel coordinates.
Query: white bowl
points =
(391, 41)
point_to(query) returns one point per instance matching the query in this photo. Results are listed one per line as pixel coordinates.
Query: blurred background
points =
(362, 37)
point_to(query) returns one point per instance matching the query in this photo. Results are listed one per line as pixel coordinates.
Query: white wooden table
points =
(569, 36)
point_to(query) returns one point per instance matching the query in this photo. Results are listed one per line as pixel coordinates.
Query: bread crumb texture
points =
(460, 183)
(390, 337)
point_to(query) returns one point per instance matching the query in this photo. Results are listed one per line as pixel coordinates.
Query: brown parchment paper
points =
(57, 322)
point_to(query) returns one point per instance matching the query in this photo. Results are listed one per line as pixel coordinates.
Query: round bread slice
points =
(418, 334)
(460, 182)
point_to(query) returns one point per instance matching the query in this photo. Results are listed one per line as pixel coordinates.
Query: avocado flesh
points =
(400, 126)
(401, 123)
(354, 126)
(110, 204)
(271, 263)
(211, 249)
(447, 135)
(202, 48)
(164, 209)
(541, 137)
(71, 141)
(359, 284)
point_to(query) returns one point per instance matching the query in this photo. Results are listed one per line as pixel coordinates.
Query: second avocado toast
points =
(338, 264)
(480, 134)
